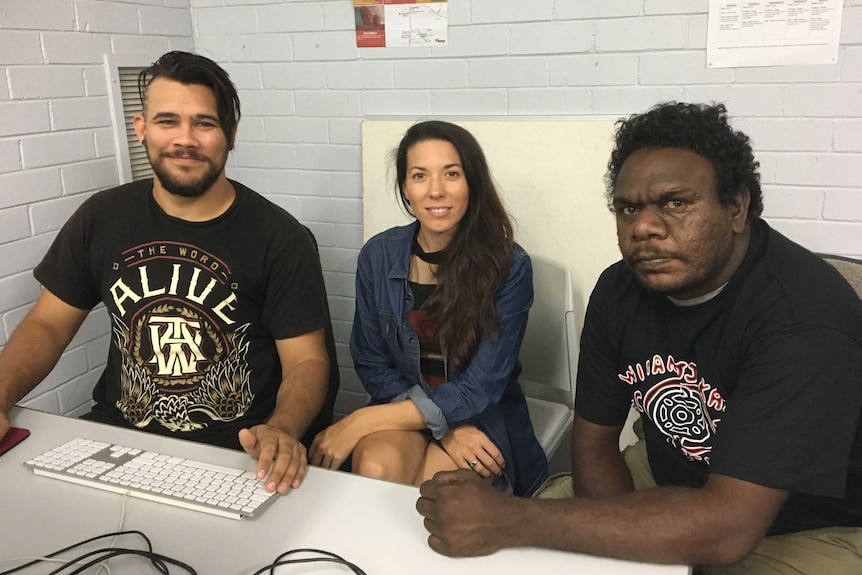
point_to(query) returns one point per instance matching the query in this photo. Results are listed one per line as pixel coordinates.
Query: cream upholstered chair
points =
(549, 354)
(849, 268)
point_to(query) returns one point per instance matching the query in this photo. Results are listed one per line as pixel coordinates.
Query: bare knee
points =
(384, 460)
(369, 465)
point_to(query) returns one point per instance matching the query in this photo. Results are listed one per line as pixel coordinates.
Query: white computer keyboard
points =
(224, 491)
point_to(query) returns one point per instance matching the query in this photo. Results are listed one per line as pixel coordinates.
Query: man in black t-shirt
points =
(220, 328)
(741, 350)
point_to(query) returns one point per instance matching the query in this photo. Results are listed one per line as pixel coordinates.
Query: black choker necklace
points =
(432, 258)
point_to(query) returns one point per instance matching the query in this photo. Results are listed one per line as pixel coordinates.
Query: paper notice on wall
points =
(401, 23)
(773, 32)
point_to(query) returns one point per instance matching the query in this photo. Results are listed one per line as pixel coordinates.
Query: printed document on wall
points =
(773, 32)
(401, 23)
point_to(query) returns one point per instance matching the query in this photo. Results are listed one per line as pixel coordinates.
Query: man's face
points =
(181, 131)
(673, 232)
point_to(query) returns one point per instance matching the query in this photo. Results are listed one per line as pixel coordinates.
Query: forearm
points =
(29, 355)
(397, 416)
(663, 525)
(300, 396)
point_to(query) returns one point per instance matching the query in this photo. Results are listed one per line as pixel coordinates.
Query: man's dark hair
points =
(187, 68)
(704, 130)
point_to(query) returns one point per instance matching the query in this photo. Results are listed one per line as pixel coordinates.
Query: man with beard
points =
(220, 328)
(741, 350)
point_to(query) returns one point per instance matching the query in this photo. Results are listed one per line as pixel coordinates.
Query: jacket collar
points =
(402, 250)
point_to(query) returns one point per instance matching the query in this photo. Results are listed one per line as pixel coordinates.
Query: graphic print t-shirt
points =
(195, 308)
(761, 383)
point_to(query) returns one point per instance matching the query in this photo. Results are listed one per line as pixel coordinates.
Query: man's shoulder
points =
(122, 195)
(799, 272)
(799, 288)
(267, 215)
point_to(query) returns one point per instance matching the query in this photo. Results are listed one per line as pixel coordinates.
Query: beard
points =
(186, 189)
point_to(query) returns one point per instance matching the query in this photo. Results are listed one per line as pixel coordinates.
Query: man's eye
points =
(676, 203)
(628, 210)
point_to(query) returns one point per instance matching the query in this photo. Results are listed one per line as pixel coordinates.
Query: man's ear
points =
(739, 209)
(140, 127)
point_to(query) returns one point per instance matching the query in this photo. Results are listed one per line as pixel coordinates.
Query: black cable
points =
(161, 569)
(155, 558)
(329, 558)
(159, 561)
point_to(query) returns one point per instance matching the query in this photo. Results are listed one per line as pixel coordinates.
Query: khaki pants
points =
(830, 551)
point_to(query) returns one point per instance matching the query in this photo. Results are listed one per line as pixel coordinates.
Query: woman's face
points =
(436, 189)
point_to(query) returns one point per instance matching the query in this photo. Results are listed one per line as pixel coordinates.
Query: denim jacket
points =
(385, 352)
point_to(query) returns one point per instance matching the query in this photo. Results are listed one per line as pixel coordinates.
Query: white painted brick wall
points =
(57, 148)
(305, 88)
(45, 82)
(165, 21)
(24, 118)
(13, 224)
(38, 14)
(106, 17)
(74, 48)
(20, 47)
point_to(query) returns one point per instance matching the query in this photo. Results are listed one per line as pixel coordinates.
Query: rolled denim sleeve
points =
(485, 379)
(434, 418)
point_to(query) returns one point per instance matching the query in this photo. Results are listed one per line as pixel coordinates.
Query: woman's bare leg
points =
(391, 455)
(436, 459)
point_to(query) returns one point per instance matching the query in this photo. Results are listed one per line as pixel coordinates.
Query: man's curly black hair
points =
(704, 130)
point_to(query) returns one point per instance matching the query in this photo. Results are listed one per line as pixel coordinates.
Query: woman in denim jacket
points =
(441, 309)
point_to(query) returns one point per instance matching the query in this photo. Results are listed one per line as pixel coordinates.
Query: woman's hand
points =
(332, 446)
(470, 448)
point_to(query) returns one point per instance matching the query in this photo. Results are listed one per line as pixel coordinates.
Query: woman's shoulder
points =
(392, 236)
(388, 245)
(520, 257)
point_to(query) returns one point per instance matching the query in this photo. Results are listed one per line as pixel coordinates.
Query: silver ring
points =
(473, 463)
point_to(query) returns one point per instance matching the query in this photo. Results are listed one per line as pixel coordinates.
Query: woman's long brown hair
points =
(476, 262)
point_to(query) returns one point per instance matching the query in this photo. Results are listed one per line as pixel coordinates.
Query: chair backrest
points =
(549, 353)
(849, 268)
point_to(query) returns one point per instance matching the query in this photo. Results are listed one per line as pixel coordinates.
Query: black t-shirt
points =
(762, 383)
(195, 308)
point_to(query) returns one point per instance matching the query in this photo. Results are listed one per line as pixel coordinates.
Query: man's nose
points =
(648, 223)
(185, 135)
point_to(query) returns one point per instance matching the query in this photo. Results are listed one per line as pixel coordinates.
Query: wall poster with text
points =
(401, 23)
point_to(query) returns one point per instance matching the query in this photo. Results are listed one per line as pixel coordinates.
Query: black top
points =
(195, 308)
(762, 383)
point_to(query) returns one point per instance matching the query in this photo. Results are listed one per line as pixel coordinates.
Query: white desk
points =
(371, 523)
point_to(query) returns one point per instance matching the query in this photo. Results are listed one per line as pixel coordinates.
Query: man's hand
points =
(277, 453)
(465, 515)
(470, 448)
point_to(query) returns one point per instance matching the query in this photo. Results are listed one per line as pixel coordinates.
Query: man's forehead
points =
(165, 92)
(661, 169)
